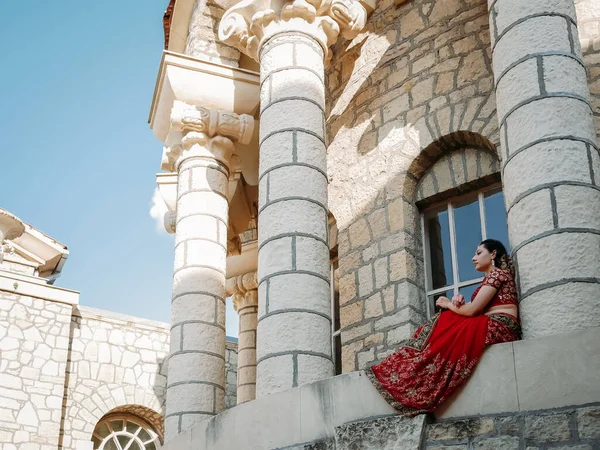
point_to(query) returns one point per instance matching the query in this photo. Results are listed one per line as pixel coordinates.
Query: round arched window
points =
(124, 433)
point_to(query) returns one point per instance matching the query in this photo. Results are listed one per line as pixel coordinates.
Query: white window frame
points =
(133, 437)
(456, 285)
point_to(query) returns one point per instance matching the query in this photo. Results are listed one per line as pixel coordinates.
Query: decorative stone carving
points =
(250, 23)
(11, 227)
(241, 284)
(170, 221)
(210, 132)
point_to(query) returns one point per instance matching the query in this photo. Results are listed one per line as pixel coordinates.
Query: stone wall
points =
(115, 360)
(34, 341)
(230, 374)
(15, 263)
(566, 429)
(588, 19)
(569, 428)
(203, 42)
(398, 95)
(62, 370)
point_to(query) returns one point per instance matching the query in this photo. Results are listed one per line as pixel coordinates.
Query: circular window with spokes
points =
(124, 433)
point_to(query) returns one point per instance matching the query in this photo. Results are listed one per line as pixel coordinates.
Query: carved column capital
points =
(241, 301)
(242, 284)
(250, 23)
(243, 288)
(208, 132)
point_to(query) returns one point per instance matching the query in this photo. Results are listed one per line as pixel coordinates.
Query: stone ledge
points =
(506, 381)
(87, 312)
(35, 287)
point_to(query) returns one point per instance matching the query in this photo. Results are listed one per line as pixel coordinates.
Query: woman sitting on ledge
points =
(443, 353)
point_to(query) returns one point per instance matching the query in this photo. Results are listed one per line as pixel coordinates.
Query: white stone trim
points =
(215, 87)
(32, 287)
(87, 312)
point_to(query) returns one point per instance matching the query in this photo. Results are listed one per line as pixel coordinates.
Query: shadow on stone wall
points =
(415, 86)
(75, 324)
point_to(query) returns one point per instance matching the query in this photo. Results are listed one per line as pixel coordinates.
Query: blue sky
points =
(78, 158)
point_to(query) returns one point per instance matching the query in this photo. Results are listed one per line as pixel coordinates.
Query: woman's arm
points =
(484, 296)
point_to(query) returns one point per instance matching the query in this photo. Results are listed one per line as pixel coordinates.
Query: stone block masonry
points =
(588, 21)
(294, 325)
(115, 361)
(565, 429)
(63, 368)
(202, 41)
(231, 371)
(546, 116)
(34, 344)
(417, 84)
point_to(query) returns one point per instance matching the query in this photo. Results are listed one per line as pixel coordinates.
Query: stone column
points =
(245, 303)
(291, 44)
(199, 147)
(550, 161)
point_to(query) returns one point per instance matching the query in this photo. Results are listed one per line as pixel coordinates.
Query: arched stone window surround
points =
(420, 190)
(135, 418)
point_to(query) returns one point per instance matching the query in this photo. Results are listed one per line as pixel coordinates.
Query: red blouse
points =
(506, 290)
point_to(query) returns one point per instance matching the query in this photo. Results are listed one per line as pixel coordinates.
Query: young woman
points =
(443, 353)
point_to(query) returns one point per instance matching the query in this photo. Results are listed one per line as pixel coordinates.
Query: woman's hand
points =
(443, 302)
(458, 300)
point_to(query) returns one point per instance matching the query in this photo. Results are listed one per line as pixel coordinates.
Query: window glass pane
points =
(432, 298)
(132, 427)
(111, 445)
(124, 440)
(467, 291)
(150, 446)
(116, 425)
(137, 446)
(102, 430)
(440, 255)
(337, 340)
(467, 226)
(144, 435)
(495, 217)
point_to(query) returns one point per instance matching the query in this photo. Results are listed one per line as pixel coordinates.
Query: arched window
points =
(124, 432)
(461, 203)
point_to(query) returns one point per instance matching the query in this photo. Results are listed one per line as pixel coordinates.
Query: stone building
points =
(71, 376)
(332, 165)
(374, 145)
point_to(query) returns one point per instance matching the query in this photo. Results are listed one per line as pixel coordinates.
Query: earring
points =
(493, 263)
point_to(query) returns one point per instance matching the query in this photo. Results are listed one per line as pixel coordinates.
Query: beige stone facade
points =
(65, 368)
(430, 108)
(332, 165)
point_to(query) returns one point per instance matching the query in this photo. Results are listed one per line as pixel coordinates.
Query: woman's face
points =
(483, 259)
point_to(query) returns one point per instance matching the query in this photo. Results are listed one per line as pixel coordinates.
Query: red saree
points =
(438, 359)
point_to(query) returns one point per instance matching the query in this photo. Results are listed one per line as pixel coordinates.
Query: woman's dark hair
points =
(503, 259)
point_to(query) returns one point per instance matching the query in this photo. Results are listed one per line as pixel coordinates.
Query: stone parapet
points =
(505, 383)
